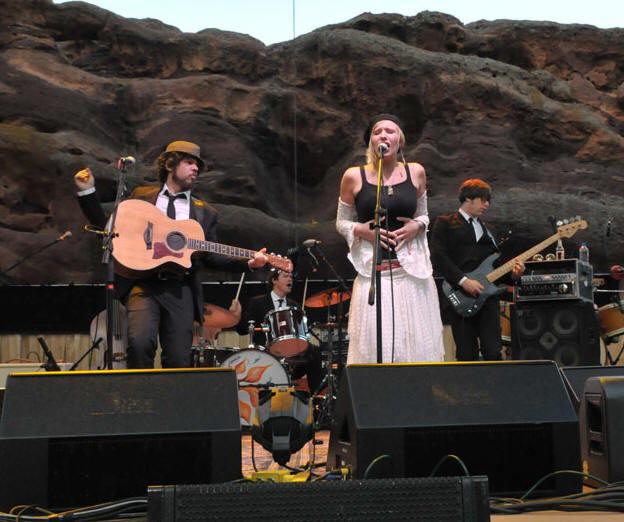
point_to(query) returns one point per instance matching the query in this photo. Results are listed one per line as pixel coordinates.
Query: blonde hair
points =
(372, 156)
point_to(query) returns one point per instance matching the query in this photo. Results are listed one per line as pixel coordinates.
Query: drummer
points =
(280, 283)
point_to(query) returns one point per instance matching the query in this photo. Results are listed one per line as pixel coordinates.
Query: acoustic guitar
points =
(466, 305)
(146, 239)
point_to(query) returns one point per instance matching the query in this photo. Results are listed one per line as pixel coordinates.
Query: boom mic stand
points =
(28, 256)
(374, 291)
(107, 246)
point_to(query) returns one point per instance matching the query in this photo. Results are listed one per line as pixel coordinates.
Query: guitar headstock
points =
(282, 263)
(570, 226)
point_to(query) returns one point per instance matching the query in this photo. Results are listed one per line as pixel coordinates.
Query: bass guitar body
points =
(465, 304)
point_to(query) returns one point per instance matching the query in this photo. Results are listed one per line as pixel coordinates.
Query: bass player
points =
(460, 242)
(166, 303)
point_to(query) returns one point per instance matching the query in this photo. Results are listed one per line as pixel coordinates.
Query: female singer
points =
(411, 324)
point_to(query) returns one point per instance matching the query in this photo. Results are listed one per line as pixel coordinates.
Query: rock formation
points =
(534, 108)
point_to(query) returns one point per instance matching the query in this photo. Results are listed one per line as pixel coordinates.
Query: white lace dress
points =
(411, 325)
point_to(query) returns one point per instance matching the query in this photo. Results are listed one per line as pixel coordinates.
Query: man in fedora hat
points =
(166, 304)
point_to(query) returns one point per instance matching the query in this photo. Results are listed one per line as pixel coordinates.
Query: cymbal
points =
(328, 297)
(218, 317)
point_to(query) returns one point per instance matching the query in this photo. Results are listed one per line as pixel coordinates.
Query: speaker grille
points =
(498, 451)
(440, 499)
(566, 332)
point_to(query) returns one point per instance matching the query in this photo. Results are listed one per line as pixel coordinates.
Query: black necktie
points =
(470, 220)
(171, 212)
(280, 302)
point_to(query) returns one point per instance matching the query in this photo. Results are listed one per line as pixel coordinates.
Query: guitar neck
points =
(508, 266)
(218, 248)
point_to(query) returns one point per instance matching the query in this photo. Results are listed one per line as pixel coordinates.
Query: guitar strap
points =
(489, 234)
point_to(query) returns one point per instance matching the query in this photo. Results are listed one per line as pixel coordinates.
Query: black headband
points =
(377, 119)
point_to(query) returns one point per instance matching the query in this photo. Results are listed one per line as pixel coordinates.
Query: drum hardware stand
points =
(326, 411)
(611, 360)
(198, 352)
(252, 329)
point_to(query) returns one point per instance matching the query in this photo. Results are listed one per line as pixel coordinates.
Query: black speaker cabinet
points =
(440, 499)
(575, 377)
(601, 421)
(80, 438)
(511, 421)
(566, 332)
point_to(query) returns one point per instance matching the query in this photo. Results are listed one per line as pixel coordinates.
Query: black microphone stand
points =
(94, 346)
(50, 365)
(107, 246)
(28, 256)
(374, 291)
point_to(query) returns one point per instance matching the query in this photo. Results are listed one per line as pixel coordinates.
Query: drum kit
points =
(288, 338)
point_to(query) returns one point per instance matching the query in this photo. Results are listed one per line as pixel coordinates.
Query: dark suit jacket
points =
(201, 212)
(256, 310)
(454, 249)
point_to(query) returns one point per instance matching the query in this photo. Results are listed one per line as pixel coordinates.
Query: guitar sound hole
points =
(176, 240)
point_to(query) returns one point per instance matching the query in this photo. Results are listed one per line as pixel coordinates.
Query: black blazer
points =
(454, 249)
(205, 214)
(256, 311)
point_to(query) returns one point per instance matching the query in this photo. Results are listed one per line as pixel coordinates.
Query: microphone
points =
(65, 235)
(125, 161)
(609, 227)
(382, 148)
(309, 243)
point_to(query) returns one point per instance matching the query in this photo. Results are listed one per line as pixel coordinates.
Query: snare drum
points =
(255, 370)
(611, 319)
(288, 331)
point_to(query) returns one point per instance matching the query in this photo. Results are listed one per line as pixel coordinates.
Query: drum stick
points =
(305, 292)
(240, 285)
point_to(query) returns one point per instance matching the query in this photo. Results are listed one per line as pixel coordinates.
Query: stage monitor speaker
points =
(80, 438)
(512, 421)
(601, 421)
(442, 499)
(575, 377)
(566, 332)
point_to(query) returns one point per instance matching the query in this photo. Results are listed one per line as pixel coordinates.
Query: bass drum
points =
(255, 370)
(611, 317)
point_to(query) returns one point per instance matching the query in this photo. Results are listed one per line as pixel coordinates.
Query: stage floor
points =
(318, 452)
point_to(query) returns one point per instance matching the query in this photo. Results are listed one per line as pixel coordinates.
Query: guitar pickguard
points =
(161, 250)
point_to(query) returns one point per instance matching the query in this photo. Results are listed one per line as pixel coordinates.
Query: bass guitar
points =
(146, 239)
(466, 305)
